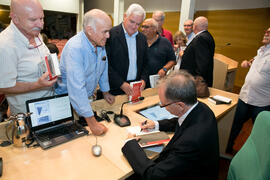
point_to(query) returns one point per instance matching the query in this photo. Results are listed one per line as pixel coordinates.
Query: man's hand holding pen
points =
(147, 124)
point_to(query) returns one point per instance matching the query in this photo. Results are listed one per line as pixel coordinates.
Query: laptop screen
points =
(49, 111)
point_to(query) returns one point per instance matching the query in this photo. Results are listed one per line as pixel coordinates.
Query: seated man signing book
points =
(193, 151)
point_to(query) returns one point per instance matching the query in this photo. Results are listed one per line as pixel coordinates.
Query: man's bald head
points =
(200, 24)
(18, 7)
(94, 16)
(96, 25)
(28, 16)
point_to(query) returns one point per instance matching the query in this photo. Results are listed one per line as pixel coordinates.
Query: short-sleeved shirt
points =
(19, 63)
(82, 67)
(159, 54)
(256, 89)
(167, 34)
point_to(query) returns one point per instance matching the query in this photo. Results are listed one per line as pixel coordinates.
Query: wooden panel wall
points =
(171, 20)
(4, 14)
(243, 29)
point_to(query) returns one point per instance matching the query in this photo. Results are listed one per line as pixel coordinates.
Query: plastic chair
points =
(252, 162)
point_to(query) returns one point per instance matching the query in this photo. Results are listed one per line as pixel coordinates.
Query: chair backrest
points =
(253, 159)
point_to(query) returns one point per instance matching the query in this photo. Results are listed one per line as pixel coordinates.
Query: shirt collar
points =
(21, 36)
(200, 32)
(183, 117)
(126, 34)
(156, 40)
(92, 48)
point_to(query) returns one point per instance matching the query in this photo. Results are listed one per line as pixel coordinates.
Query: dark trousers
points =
(243, 113)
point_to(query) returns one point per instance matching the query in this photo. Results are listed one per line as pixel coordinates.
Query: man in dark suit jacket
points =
(127, 52)
(193, 151)
(198, 56)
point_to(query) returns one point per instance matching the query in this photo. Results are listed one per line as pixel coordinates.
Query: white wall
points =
(5, 2)
(70, 6)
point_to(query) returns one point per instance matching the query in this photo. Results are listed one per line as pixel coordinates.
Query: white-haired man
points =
(84, 64)
(22, 50)
(127, 52)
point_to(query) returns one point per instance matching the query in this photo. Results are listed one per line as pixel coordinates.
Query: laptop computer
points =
(52, 122)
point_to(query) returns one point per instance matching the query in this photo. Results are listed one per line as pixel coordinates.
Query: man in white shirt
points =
(255, 93)
(22, 50)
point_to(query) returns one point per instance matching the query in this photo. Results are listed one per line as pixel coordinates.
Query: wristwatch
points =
(165, 69)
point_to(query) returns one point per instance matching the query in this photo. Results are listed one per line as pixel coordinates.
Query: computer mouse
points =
(96, 150)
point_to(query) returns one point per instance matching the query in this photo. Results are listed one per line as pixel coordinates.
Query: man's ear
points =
(89, 30)
(181, 104)
(125, 16)
(14, 18)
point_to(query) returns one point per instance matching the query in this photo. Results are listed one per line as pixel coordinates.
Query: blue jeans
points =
(243, 113)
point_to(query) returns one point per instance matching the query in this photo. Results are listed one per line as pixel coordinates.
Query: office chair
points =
(253, 159)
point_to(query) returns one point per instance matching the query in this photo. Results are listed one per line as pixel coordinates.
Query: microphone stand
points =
(121, 119)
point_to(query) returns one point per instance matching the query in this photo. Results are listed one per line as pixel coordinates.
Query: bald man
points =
(198, 57)
(84, 64)
(159, 16)
(22, 50)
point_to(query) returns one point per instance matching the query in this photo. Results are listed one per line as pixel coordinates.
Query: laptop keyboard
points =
(60, 135)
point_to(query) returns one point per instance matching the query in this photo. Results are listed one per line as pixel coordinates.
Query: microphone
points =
(220, 48)
(121, 119)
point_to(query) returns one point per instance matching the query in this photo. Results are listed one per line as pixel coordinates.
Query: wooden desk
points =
(73, 160)
(224, 72)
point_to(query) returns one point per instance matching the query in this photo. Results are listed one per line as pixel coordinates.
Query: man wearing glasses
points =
(22, 50)
(188, 28)
(161, 57)
(193, 151)
(255, 94)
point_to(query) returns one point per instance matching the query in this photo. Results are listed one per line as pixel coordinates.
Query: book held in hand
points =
(51, 64)
(153, 80)
(136, 85)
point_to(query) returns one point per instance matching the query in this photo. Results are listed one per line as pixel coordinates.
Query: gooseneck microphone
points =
(121, 119)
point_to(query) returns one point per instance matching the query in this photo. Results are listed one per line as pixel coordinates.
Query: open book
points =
(150, 138)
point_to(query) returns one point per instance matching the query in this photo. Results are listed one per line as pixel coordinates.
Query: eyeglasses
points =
(187, 25)
(39, 43)
(162, 106)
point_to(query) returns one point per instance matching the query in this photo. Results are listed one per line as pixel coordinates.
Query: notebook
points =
(51, 122)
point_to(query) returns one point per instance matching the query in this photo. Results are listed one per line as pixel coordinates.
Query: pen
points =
(144, 123)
